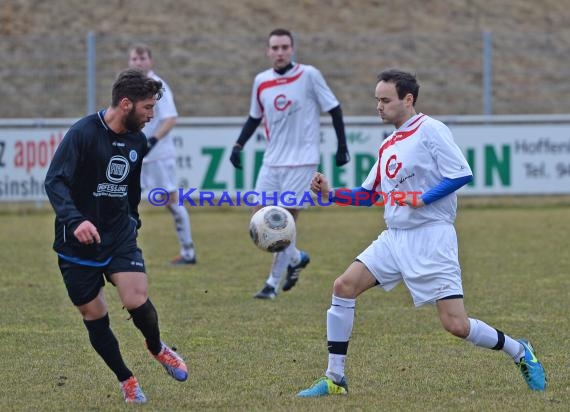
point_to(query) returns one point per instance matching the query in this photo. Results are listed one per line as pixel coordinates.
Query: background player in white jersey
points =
(419, 246)
(290, 98)
(159, 165)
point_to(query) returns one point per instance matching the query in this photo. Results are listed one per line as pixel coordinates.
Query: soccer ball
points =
(272, 228)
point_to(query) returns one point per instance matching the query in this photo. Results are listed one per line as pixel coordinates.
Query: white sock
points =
(280, 262)
(481, 334)
(515, 349)
(183, 230)
(340, 319)
(293, 253)
(335, 369)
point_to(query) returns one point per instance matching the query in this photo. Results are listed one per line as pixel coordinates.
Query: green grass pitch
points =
(250, 355)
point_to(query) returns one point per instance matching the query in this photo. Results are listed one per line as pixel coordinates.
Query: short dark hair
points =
(405, 82)
(135, 86)
(141, 48)
(281, 32)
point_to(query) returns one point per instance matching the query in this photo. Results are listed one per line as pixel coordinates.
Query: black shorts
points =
(84, 282)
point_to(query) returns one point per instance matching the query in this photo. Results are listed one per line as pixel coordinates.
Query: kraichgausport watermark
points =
(342, 197)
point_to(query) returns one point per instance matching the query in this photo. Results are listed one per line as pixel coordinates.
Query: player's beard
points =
(132, 123)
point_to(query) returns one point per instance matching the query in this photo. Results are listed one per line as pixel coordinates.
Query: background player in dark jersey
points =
(93, 184)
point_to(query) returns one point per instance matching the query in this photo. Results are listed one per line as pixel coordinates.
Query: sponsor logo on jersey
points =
(111, 190)
(393, 166)
(117, 169)
(281, 103)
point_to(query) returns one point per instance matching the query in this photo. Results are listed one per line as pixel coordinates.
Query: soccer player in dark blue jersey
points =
(93, 184)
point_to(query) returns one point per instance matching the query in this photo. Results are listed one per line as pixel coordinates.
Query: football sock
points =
(340, 319)
(335, 369)
(280, 262)
(145, 319)
(105, 344)
(183, 229)
(481, 334)
(293, 253)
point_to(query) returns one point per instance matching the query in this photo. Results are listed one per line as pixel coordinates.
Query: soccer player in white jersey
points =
(159, 165)
(418, 170)
(289, 97)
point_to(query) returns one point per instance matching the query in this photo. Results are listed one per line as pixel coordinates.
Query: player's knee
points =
(136, 298)
(343, 288)
(456, 326)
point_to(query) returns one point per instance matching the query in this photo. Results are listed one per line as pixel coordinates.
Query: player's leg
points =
(166, 172)
(267, 186)
(340, 319)
(455, 320)
(375, 266)
(296, 180)
(106, 345)
(162, 174)
(297, 260)
(85, 288)
(433, 274)
(183, 231)
(132, 285)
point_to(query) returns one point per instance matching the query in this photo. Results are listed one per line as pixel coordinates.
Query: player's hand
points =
(87, 233)
(235, 157)
(342, 155)
(413, 200)
(151, 142)
(320, 184)
(139, 223)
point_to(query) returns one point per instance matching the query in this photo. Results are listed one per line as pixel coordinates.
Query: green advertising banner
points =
(509, 155)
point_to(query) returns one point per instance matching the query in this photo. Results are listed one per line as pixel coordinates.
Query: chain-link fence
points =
(211, 75)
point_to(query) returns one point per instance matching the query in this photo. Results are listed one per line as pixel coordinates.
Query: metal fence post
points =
(487, 73)
(91, 80)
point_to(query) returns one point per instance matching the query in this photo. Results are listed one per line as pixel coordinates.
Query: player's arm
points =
(165, 127)
(445, 187)
(59, 179)
(247, 131)
(342, 155)
(358, 196)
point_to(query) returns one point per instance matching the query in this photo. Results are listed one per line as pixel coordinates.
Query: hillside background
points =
(209, 51)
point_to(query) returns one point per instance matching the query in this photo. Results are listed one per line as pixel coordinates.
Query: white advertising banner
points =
(509, 155)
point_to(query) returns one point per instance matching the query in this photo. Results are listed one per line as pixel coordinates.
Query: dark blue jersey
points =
(95, 176)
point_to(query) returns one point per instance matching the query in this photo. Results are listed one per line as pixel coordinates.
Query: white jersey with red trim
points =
(290, 105)
(163, 109)
(415, 158)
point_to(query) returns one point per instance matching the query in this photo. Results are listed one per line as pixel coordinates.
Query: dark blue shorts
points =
(83, 282)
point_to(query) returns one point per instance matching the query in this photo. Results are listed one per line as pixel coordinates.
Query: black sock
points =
(105, 344)
(337, 348)
(146, 319)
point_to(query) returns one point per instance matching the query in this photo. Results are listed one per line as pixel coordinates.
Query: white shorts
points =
(425, 258)
(159, 174)
(285, 186)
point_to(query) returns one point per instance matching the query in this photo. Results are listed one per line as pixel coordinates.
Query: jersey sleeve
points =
(326, 98)
(372, 181)
(60, 176)
(450, 161)
(166, 107)
(255, 108)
